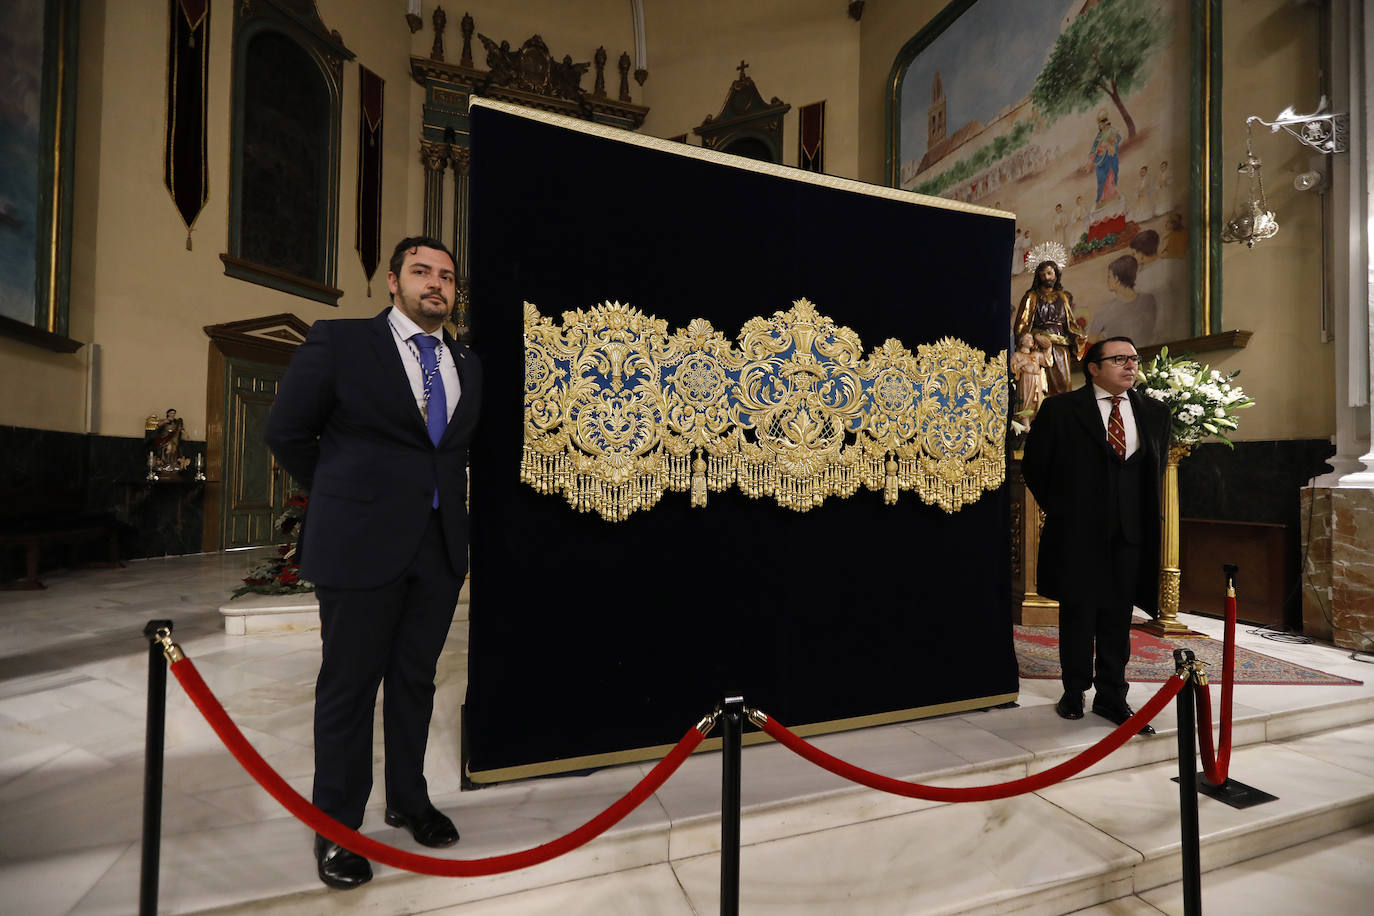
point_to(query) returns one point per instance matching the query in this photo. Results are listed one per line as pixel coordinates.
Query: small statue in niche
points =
(1028, 367)
(164, 442)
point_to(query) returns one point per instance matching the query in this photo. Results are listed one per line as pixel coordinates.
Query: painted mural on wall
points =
(1074, 115)
(21, 89)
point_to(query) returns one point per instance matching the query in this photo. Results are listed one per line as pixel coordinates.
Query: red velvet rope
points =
(322, 824)
(1216, 766)
(1068, 768)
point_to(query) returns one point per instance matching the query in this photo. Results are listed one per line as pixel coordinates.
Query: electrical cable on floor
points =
(1287, 637)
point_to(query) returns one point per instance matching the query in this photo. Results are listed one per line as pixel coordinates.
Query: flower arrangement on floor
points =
(281, 575)
(1202, 402)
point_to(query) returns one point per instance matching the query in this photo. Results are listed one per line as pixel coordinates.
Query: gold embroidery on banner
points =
(618, 411)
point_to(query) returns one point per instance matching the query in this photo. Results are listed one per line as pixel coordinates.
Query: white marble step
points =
(812, 845)
(253, 614)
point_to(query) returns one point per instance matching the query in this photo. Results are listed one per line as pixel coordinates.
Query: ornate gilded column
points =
(435, 157)
(1166, 624)
(459, 158)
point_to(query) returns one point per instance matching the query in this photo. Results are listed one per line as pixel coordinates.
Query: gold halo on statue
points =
(1048, 251)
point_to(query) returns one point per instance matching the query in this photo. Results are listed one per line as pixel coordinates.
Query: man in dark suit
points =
(1095, 460)
(374, 417)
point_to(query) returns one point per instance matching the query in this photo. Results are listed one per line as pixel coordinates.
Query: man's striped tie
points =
(1116, 430)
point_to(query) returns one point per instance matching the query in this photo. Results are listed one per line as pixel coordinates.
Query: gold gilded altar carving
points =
(618, 411)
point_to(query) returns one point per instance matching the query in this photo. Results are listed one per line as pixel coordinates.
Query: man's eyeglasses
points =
(1121, 360)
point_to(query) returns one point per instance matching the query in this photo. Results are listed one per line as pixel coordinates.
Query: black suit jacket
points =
(346, 427)
(1067, 466)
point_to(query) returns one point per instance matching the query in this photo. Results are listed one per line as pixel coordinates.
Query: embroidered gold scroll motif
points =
(618, 411)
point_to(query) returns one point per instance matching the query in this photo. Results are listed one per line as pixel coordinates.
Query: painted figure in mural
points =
(1018, 251)
(167, 441)
(1106, 158)
(1130, 313)
(1144, 196)
(1175, 242)
(1047, 309)
(1166, 281)
(1061, 227)
(1078, 220)
(1164, 189)
(1029, 364)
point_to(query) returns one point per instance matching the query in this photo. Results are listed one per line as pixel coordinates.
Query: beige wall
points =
(801, 51)
(143, 298)
(886, 28)
(1270, 62)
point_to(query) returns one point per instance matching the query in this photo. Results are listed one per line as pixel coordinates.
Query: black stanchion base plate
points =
(1230, 792)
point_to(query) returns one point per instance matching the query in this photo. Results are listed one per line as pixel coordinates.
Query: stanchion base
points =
(1233, 793)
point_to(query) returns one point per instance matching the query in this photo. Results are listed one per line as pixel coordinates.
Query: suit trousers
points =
(390, 636)
(1106, 623)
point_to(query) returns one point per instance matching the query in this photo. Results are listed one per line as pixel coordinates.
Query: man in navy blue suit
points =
(374, 417)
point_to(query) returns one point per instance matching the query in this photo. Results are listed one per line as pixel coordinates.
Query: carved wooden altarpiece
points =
(528, 75)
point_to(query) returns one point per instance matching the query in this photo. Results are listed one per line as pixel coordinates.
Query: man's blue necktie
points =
(436, 402)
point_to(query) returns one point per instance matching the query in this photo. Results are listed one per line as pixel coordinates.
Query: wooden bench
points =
(33, 535)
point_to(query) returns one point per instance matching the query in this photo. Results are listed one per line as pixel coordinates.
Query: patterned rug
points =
(1152, 659)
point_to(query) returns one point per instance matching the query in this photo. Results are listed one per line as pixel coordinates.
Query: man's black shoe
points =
(431, 828)
(1119, 714)
(1070, 705)
(338, 867)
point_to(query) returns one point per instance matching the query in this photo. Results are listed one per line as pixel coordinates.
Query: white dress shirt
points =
(1104, 407)
(402, 329)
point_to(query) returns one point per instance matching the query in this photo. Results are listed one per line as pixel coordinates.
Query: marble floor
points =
(73, 677)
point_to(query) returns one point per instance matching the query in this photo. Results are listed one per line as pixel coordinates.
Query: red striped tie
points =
(1116, 430)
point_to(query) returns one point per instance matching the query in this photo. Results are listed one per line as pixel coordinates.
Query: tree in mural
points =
(1103, 52)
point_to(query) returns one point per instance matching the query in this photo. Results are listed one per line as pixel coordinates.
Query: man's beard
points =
(424, 303)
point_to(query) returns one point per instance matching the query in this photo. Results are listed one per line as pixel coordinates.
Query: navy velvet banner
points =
(590, 640)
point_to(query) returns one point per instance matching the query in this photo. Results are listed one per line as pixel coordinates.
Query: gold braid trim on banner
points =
(618, 411)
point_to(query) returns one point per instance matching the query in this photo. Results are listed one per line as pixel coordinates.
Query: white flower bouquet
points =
(1201, 401)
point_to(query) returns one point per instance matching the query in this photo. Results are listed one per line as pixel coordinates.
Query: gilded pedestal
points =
(1028, 607)
(1166, 624)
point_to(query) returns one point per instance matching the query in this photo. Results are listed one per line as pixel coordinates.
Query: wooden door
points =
(255, 489)
(246, 490)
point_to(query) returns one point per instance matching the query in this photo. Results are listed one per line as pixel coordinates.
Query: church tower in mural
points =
(936, 120)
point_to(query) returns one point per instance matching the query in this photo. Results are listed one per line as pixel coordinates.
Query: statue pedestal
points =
(1028, 608)
(1167, 623)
